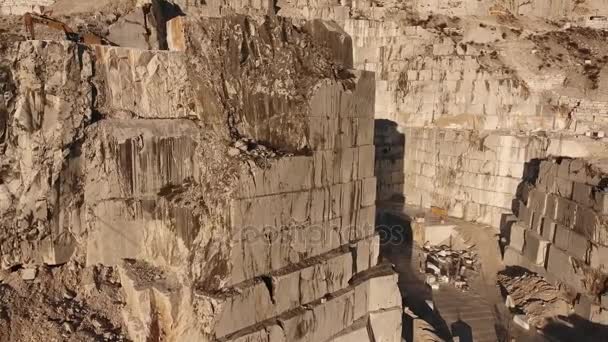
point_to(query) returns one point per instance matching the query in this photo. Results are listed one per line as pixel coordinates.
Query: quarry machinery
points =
(29, 19)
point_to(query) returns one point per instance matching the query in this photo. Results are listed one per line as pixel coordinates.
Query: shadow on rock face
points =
(390, 154)
(575, 328)
(463, 331)
(396, 247)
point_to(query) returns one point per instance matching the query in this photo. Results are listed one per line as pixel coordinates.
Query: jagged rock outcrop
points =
(49, 104)
(228, 187)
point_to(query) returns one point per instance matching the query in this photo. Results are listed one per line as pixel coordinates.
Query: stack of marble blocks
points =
(560, 230)
(321, 268)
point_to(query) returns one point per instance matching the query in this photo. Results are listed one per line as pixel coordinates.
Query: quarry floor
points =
(476, 315)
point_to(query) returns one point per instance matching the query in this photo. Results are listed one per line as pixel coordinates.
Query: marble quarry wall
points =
(426, 79)
(448, 85)
(451, 77)
(18, 7)
(560, 232)
(476, 175)
(226, 188)
(228, 181)
(342, 10)
(465, 72)
(539, 8)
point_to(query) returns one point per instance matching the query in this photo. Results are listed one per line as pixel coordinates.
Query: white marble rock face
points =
(120, 160)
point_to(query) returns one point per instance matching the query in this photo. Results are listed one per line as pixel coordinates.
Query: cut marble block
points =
(537, 202)
(322, 321)
(366, 252)
(289, 174)
(357, 332)
(535, 248)
(518, 237)
(573, 243)
(386, 325)
(152, 84)
(368, 191)
(560, 266)
(139, 158)
(566, 212)
(256, 255)
(333, 36)
(376, 293)
(143, 226)
(548, 231)
(582, 194)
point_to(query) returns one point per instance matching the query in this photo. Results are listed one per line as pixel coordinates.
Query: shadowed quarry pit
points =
(285, 171)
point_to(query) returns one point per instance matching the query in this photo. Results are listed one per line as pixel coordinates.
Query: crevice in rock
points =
(370, 332)
(353, 251)
(162, 11)
(269, 285)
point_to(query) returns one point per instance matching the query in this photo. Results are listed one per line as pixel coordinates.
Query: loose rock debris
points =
(444, 265)
(533, 300)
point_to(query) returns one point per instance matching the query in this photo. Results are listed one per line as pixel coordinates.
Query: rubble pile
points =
(531, 296)
(444, 265)
(560, 230)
